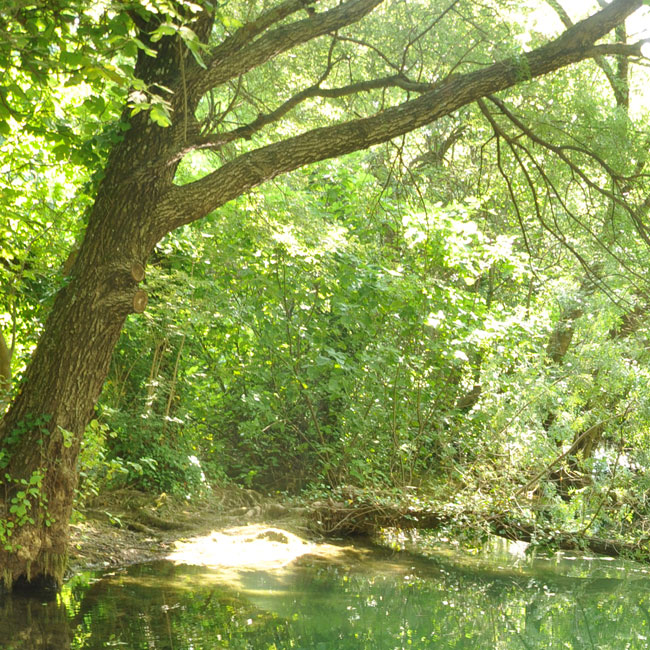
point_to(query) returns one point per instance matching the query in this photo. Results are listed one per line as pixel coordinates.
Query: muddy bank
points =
(128, 526)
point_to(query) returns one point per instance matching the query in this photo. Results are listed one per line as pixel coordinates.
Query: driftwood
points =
(345, 519)
(362, 516)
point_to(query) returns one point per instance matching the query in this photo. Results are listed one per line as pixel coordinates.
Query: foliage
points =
(385, 320)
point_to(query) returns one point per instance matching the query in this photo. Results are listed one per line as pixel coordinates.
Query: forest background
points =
(455, 319)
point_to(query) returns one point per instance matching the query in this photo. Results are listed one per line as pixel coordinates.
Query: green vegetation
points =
(442, 304)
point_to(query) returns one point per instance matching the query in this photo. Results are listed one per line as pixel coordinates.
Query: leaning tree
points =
(195, 87)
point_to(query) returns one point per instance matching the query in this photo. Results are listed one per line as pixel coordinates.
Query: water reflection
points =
(390, 601)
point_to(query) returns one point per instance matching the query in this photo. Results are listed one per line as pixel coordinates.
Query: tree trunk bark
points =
(5, 370)
(40, 435)
(35, 624)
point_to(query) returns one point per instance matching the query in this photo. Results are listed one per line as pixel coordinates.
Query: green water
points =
(392, 600)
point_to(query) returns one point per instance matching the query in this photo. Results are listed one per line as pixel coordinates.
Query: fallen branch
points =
(361, 516)
(352, 517)
(568, 541)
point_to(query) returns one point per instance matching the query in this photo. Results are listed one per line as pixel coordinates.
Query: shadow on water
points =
(388, 600)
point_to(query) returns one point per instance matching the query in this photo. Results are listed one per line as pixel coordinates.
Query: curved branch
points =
(515, 144)
(182, 205)
(617, 78)
(373, 48)
(246, 33)
(232, 61)
(555, 233)
(216, 141)
(634, 213)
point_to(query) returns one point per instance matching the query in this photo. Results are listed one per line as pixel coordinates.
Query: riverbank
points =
(128, 526)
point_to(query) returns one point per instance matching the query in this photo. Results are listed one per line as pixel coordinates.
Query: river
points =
(371, 598)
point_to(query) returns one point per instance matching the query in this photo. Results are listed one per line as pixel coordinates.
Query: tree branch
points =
(560, 11)
(628, 50)
(515, 144)
(216, 141)
(249, 31)
(182, 205)
(556, 233)
(560, 151)
(617, 78)
(373, 48)
(576, 443)
(229, 61)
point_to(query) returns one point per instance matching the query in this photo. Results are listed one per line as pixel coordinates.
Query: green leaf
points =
(194, 48)
(167, 29)
(160, 115)
(73, 59)
(145, 48)
(61, 152)
(229, 22)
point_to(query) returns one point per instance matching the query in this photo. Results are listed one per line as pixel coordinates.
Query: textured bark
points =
(137, 204)
(43, 429)
(5, 369)
(235, 58)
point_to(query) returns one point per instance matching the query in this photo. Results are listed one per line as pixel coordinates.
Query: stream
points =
(376, 599)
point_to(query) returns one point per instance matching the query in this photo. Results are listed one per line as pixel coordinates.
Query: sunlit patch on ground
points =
(257, 547)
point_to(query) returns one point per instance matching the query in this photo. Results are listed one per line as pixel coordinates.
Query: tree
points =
(5, 367)
(197, 71)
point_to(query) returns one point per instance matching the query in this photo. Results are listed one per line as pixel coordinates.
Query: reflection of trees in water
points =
(429, 605)
(459, 610)
(32, 624)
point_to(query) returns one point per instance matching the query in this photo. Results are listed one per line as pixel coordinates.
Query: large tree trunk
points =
(42, 431)
(5, 370)
(137, 204)
(41, 434)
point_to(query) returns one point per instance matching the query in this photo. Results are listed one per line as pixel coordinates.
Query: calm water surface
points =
(388, 600)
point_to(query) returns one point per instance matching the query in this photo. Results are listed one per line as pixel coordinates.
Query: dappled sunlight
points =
(254, 547)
